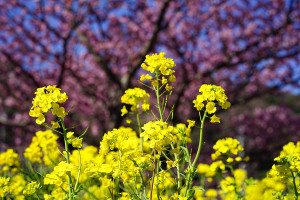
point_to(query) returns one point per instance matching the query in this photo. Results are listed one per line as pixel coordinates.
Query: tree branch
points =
(149, 45)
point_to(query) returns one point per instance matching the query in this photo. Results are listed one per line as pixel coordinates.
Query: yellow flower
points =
(31, 188)
(9, 160)
(158, 62)
(4, 187)
(213, 95)
(134, 97)
(210, 107)
(43, 147)
(159, 134)
(77, 142)
(227, 147)
(154, 83)
(168, 87)
(238, 159)
(40, 119)
(55, 124)
(211, 193)
(172, 78)
(163, 80)
(70, 135)
(203, 168)
(58, 111)
(143, 78)
(124, 111)
(214, 119)
(46, 99)
(191, 123)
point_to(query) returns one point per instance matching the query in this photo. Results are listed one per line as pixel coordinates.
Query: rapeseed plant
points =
(153, 163)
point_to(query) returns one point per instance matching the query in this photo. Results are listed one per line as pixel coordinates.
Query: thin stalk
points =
(157, 181)
(118, 180)
(235, 186)
(79, 171)
(153, 175)
(200, 144)
(295, 187)
(157, 97)
(68, 159)
(37, 196)
(29, 165)
(90, 193)
(179, 183)
(140, 129)
(200, 139)
(143, 182)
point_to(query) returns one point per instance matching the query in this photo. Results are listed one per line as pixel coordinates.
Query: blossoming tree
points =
(96, 48)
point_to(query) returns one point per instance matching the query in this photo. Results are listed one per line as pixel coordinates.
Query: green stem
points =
(200, 144)
(79, 170)
(68, 158)
(157, 180)
(235, 185)
(157, 97)
(118, 180)
(200, 140)
(37, 196)
(179, 183)
(90, 193)
(153, 175)
(143, 182)
(295, 187)
(140, 129)
(29, 165)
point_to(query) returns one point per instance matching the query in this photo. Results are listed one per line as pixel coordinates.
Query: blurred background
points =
(93, 50)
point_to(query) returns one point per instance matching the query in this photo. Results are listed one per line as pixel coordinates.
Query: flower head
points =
(135, 97)
(211, 96)
(48, 99)
(160, 66)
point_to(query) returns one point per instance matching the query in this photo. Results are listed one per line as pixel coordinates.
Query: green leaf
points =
(183, 175)
(83, 132)
(190, 194)
(186, 154)
(199, 188)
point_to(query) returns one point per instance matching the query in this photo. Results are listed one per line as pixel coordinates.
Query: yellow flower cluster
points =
(14, 186)
(265, 189)
(122, 139)
(59, 176)
(288, 161)
(102, 192)
(209, 171)
(231, 185)
(4, 188)
(214, 96)
(162, 182)
(44, 145)
(31, 188)
(183, 133)
(159, 134)
(227, 147)
(9, 161)
(134, 97)
(17, 185)
(119, 156)
(209, 194)
(75, 141)
(158, 65)
(88, 155)
(46, 99)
